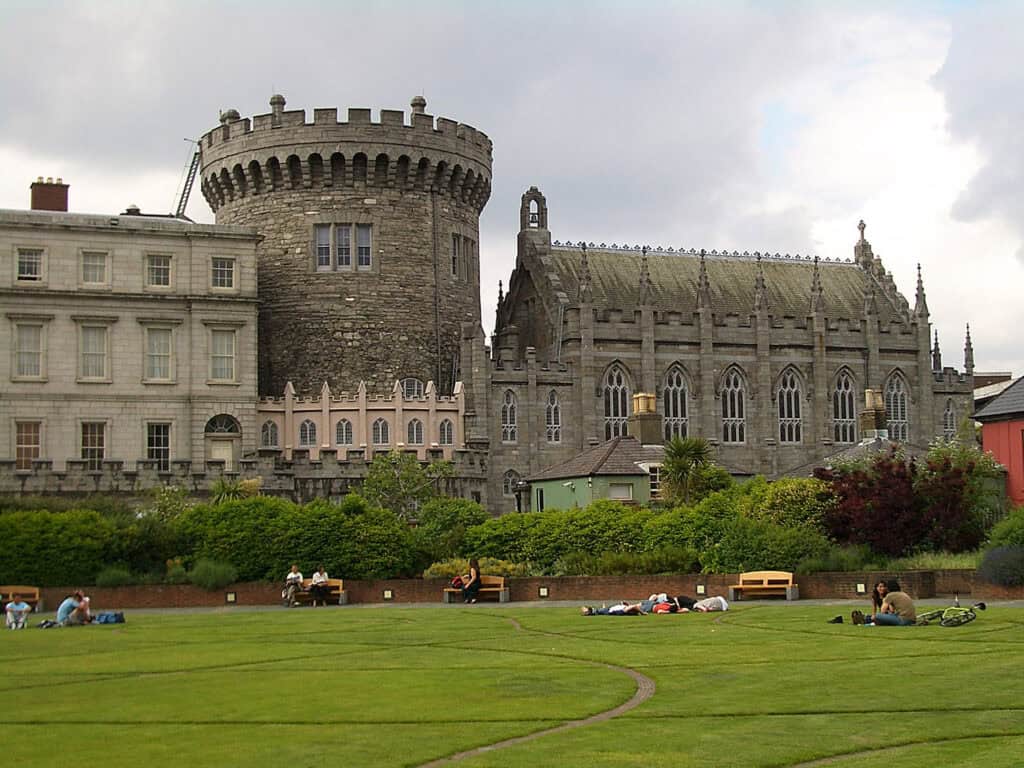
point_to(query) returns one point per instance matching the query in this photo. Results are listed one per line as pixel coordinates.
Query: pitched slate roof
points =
(615, 283)
(618, 456)
(1009, 402)
(864, 449)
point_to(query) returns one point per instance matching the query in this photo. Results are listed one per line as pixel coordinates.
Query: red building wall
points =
(1005, 441)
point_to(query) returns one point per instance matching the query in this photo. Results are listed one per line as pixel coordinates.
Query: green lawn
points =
(761, 685)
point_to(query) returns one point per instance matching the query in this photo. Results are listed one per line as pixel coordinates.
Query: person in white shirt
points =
(318, 589)
(708, 604)
(292, 584)
(17, 612)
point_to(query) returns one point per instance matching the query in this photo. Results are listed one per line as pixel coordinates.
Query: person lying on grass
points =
(618, 609)
(655, 606)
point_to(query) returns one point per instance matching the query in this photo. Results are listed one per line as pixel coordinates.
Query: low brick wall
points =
(828, 586)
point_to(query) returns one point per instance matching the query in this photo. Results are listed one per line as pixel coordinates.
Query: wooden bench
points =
(29, 594)
(769, 583)
(489, 585)
(336, 592)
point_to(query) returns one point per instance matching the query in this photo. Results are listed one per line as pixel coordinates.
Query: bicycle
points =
(954, 616)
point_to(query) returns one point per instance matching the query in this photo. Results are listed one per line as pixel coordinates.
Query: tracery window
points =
(415, 432)
(734, 419)
(268, 435)
(381, 432)
(509, 428)
(674, 397)
(343, 432)
(844, 416)
(949, 421)
(307, 434)
(412, 388)
(553, 418)
(789, 408)
(446, 432)
(509, 482)
(896, 407)
(616, 403)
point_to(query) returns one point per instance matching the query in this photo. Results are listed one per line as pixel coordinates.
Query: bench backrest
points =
(28, 594)
(492, 581)
(338, 584)
(766, 579)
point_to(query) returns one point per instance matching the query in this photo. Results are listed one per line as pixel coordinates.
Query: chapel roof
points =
(618, 456)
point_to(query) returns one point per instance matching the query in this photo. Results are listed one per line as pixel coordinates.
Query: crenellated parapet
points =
(281, 151)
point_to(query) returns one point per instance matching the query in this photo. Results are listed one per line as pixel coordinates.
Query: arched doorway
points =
(223, 437)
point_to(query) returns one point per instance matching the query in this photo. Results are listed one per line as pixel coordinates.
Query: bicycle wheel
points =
(957, 619)
(926, 618)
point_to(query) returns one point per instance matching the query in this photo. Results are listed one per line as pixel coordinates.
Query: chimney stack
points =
(872, 418)
(645, 422)
(49, 195)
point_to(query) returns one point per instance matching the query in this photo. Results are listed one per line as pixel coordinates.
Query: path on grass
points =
(644, 691)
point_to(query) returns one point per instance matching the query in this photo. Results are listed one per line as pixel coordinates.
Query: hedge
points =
(50, 549)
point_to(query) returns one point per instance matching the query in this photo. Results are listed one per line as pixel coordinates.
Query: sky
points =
(719, 125)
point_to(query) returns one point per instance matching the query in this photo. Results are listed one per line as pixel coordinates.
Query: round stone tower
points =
(369, 261)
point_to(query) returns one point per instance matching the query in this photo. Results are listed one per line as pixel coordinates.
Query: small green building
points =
(620, 469)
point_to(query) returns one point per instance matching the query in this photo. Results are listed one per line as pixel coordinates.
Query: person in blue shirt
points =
(74, 610)
(17, 612)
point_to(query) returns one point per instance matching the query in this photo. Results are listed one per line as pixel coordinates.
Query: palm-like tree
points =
(683, 457)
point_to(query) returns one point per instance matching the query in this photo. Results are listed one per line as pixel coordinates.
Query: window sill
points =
(29, 379)
(222, 383)
(160, 382)
(81, 380)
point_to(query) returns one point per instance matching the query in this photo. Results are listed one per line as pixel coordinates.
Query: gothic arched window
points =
(844, 416)
(896, 407)
(553, 418)
(415, 432)
(307, 434)
(381, 432)
(268, 435)
(509, 429)
(674, 397)
(789, 408)
(949, 421)
(446, 432)
(616, 403)
(734, 408)
(343, 432)
(412, 388)
(509, 482)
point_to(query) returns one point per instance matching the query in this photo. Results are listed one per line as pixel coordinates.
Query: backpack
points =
(457, 583)
(110, 617)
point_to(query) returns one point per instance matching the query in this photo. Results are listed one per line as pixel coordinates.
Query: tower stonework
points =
(369, 259)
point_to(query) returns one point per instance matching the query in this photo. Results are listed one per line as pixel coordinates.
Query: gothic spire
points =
(501, 294)
(645, 279)
(936, 354)
(921, 305)
(862, 250)
(703, 285)
(817, 292)
(585, 291)
(760, 294)
(968, 353)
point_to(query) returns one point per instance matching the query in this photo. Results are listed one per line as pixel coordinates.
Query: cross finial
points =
(862, 226)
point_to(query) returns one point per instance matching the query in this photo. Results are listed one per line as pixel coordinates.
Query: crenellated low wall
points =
(826, 586)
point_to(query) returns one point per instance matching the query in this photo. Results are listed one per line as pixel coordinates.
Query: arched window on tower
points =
(896, 407)
(268, 435)
(553, 418)
(675, 397)
(734, 408)
(509, 428)
(412, 388)
(616, 403)
(381, 432)
(789, 408)
(949, 420)
(844, 415)
(307, 434)
(446, 432)
(415, 432)
(343, 432)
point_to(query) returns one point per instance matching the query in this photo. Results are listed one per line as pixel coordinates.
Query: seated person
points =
(74, 610)
(618, 609)
(17, 612)
(897, 609)
(292, 584)
(318, 588)
(471, 582)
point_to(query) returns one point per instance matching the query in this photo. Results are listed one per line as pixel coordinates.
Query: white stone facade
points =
(123, 337)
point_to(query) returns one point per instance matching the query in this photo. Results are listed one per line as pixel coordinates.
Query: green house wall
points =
(572, 492)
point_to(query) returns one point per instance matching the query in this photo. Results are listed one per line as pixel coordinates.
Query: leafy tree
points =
(684, 457)
(442, 523)
(399, 482)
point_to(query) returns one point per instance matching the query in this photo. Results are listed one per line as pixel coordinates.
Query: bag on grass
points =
(110, 617)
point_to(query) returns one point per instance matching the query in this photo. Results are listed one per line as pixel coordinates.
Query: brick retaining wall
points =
(836, 586)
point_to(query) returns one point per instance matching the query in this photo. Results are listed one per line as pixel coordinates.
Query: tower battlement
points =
(282, 151)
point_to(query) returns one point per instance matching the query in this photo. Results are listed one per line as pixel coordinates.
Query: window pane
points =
(222, 355)
(29, 346)
(158, 270)
(343, 241)
(323, 245)
(94, 268)
(94, 352)
(30, 264)
(158, 445)
(27, 443)
(93, 444)
(363, 244)
(158, 353)
(223, 273)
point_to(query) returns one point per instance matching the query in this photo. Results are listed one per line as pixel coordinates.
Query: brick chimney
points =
(49, 195)
(872, 418)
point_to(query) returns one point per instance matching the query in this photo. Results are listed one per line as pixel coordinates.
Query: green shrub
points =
(754, 545)
(1009, 532)
(176, 574)
(839, 558)
(665, 560)
(1003, 566)
(55, 548)
(115, 576)
(212, 574)
(791, 501)
(442, 525)
(107, 506)
(458, 566)
(936, 561)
